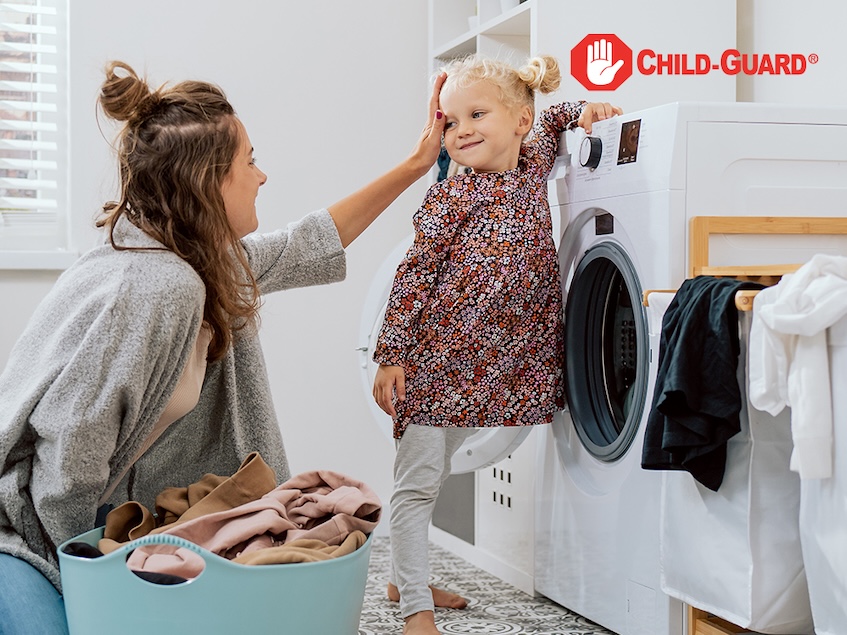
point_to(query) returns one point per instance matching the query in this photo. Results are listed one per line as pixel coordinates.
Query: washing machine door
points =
(606, 342)
(485, 446)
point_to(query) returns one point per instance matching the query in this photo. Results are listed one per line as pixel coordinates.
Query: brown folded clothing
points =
(176, 505)
(211, 494)
(303, 550)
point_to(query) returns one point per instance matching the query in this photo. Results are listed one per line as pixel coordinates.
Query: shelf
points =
(460, 47)
(514, 22)
(511, 29)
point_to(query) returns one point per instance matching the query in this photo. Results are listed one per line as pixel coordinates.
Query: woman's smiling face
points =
(241, 186)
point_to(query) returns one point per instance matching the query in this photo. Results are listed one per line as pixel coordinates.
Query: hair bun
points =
(542, 73)
(123, 96)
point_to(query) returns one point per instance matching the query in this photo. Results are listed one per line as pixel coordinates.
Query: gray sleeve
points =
(306, 253)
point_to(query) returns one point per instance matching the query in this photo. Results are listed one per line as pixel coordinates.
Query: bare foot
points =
(422, 623)
(440, 597)
(447, 600)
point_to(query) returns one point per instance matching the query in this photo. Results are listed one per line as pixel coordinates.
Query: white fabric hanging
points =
(788, 356)
(823, 507)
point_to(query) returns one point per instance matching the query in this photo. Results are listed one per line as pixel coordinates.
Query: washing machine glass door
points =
(485, 446)
(607, 348)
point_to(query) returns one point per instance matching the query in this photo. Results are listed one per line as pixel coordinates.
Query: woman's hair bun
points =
(123, 92)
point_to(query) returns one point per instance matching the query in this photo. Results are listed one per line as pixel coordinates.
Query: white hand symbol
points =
(600, 69)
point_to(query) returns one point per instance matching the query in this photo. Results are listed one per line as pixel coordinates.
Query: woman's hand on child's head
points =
(597, 111)
(389, 381)
(429, 145)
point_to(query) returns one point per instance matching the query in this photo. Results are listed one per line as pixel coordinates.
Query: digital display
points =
(628, 150)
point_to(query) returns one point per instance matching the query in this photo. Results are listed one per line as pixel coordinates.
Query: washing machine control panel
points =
(591, 148)
(624, 154)
(652, 149)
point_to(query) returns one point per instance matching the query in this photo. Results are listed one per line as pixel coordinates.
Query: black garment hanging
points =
(697, 399)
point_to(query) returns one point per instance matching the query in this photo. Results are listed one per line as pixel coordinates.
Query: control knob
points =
(590, 152)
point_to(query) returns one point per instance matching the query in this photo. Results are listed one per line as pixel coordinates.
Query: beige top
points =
(185, 397)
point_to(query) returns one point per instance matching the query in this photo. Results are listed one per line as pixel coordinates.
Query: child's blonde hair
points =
(517, 86)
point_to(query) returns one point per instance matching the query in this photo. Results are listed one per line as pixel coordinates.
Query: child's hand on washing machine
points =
(596, 111)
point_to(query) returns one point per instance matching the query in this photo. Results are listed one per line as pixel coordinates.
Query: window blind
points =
(33, 125)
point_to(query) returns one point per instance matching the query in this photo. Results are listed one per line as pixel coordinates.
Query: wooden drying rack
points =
(703, 227)
(701, 622)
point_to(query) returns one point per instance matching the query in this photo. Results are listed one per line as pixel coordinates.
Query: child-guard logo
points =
(601, 61)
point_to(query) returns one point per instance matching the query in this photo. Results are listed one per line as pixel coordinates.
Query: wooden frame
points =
(702, 227)
(703, 623)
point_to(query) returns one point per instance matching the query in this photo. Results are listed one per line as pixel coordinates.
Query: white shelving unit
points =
(554, 27)
(505, 506)
(462, 27)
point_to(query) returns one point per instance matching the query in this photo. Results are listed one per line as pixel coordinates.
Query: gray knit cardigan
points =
(98, 362)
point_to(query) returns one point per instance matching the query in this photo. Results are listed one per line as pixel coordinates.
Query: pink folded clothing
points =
(320, 505)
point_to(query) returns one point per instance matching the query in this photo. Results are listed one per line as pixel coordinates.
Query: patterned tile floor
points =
(493, 606)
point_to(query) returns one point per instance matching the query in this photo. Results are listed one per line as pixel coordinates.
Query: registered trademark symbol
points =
(813, 58)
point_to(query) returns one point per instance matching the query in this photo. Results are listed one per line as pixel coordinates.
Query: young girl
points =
(473, 333)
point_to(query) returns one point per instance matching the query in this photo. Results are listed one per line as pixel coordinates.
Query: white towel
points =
(788, 363)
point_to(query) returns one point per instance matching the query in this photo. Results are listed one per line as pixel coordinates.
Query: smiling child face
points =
(481, 132)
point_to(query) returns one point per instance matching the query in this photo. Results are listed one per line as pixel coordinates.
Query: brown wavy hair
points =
(175, 150)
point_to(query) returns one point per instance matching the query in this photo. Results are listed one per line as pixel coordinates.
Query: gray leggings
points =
(420, 468)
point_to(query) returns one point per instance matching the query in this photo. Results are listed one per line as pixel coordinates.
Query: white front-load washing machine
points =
(624, 198)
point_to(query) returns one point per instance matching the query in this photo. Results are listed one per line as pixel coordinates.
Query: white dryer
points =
(624, 199)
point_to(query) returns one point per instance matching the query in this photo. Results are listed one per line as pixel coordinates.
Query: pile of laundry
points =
(244, 518)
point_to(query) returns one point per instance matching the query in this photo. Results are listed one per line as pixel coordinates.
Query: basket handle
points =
(161, 539)
(115, 562)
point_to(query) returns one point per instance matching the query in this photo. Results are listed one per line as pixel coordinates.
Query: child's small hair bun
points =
(541, 74)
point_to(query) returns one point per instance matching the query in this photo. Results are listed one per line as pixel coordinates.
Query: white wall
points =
(332, 93)
(781, 26)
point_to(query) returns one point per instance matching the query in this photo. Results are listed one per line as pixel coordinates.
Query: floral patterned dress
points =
(475, 312)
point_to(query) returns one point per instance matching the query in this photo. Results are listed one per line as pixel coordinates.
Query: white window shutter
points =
(33, 125)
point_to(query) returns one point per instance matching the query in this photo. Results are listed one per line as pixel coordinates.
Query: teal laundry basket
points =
(103, 597)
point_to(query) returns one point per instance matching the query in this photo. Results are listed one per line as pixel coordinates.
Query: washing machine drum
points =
(485, 446)
(606, 351)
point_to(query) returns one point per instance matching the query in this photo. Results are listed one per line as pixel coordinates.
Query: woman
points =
(142, 367)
